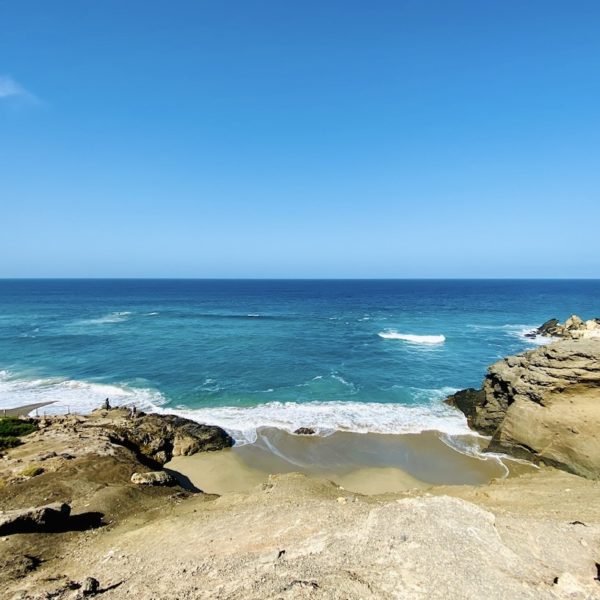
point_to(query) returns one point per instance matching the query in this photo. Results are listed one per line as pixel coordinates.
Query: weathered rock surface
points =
(292, 539)
(542, 405)
(34, 519)
(574, 328)
(160, 437)
(153, 478)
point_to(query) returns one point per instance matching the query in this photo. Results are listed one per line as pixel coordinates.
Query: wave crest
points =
(413, 339)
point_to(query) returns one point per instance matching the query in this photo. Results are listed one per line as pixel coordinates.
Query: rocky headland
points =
(544, 405)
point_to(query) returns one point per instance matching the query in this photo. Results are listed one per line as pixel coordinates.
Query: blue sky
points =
(299, 139)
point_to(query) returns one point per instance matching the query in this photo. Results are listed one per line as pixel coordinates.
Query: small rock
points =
(342, 500)
(153, 478)
(568, 584)
(46, 456)
(305, 431)
(90, 586)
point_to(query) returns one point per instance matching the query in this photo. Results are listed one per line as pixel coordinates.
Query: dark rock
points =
(90, 586)
(305, 431)
(42, 518)
(160, 437)
(467, 401)
(550, 328)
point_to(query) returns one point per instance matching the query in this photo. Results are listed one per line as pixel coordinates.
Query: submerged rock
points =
(542, 405)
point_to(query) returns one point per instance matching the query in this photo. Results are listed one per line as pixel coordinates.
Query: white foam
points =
(73, 396)
(522, 331)
(326, 417)
(413, 339)
(243, 422)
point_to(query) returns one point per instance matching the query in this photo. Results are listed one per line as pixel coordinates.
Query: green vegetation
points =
(11, 429)
(31, 471)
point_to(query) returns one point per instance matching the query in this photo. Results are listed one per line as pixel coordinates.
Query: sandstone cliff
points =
(542, 405)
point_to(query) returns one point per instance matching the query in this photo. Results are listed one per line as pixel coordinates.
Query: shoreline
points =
(367, 463)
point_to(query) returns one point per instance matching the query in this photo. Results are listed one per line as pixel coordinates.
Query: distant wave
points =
(243, 423)
(114, 317)
(413, 339)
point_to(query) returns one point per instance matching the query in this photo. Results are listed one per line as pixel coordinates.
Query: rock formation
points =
(542, 405)
(160, 437)
(573, 328)
(41, 518)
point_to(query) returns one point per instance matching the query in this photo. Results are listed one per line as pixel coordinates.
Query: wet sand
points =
(364, 463)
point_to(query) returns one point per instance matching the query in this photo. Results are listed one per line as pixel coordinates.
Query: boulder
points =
(160, 437)
(34, 519)
(153, 478)
(467, 402)
(90, 586)
(542, 405)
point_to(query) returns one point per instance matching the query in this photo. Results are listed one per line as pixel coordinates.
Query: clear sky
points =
(299, 139)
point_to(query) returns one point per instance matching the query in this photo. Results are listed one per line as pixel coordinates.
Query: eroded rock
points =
(41, 518)
(542, 405)
(160, 437)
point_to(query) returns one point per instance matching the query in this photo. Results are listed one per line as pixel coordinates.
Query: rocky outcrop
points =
(573, 328)
(34, 519)
(542, 405)
(160, 437)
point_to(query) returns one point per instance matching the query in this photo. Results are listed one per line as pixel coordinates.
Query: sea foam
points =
(413, 339)
(243, 423)
(67, 395)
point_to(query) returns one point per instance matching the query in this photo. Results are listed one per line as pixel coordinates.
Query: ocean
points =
(351, 355)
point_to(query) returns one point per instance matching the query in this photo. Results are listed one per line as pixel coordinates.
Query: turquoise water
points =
(331, 354)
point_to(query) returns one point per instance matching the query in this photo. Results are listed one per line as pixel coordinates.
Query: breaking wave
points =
(243, 423)
(413, 339)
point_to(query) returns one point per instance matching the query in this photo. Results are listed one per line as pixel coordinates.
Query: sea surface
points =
(361, 355)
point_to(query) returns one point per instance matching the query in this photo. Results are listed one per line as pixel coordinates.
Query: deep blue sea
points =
(358, 355)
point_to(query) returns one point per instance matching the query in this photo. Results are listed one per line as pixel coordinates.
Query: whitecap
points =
(411, 338)
(114, 317)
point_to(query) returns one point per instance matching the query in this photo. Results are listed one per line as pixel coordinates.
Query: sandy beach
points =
(365, 463)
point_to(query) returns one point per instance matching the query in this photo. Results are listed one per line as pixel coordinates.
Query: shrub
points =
(31, 471)
(15, 427)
